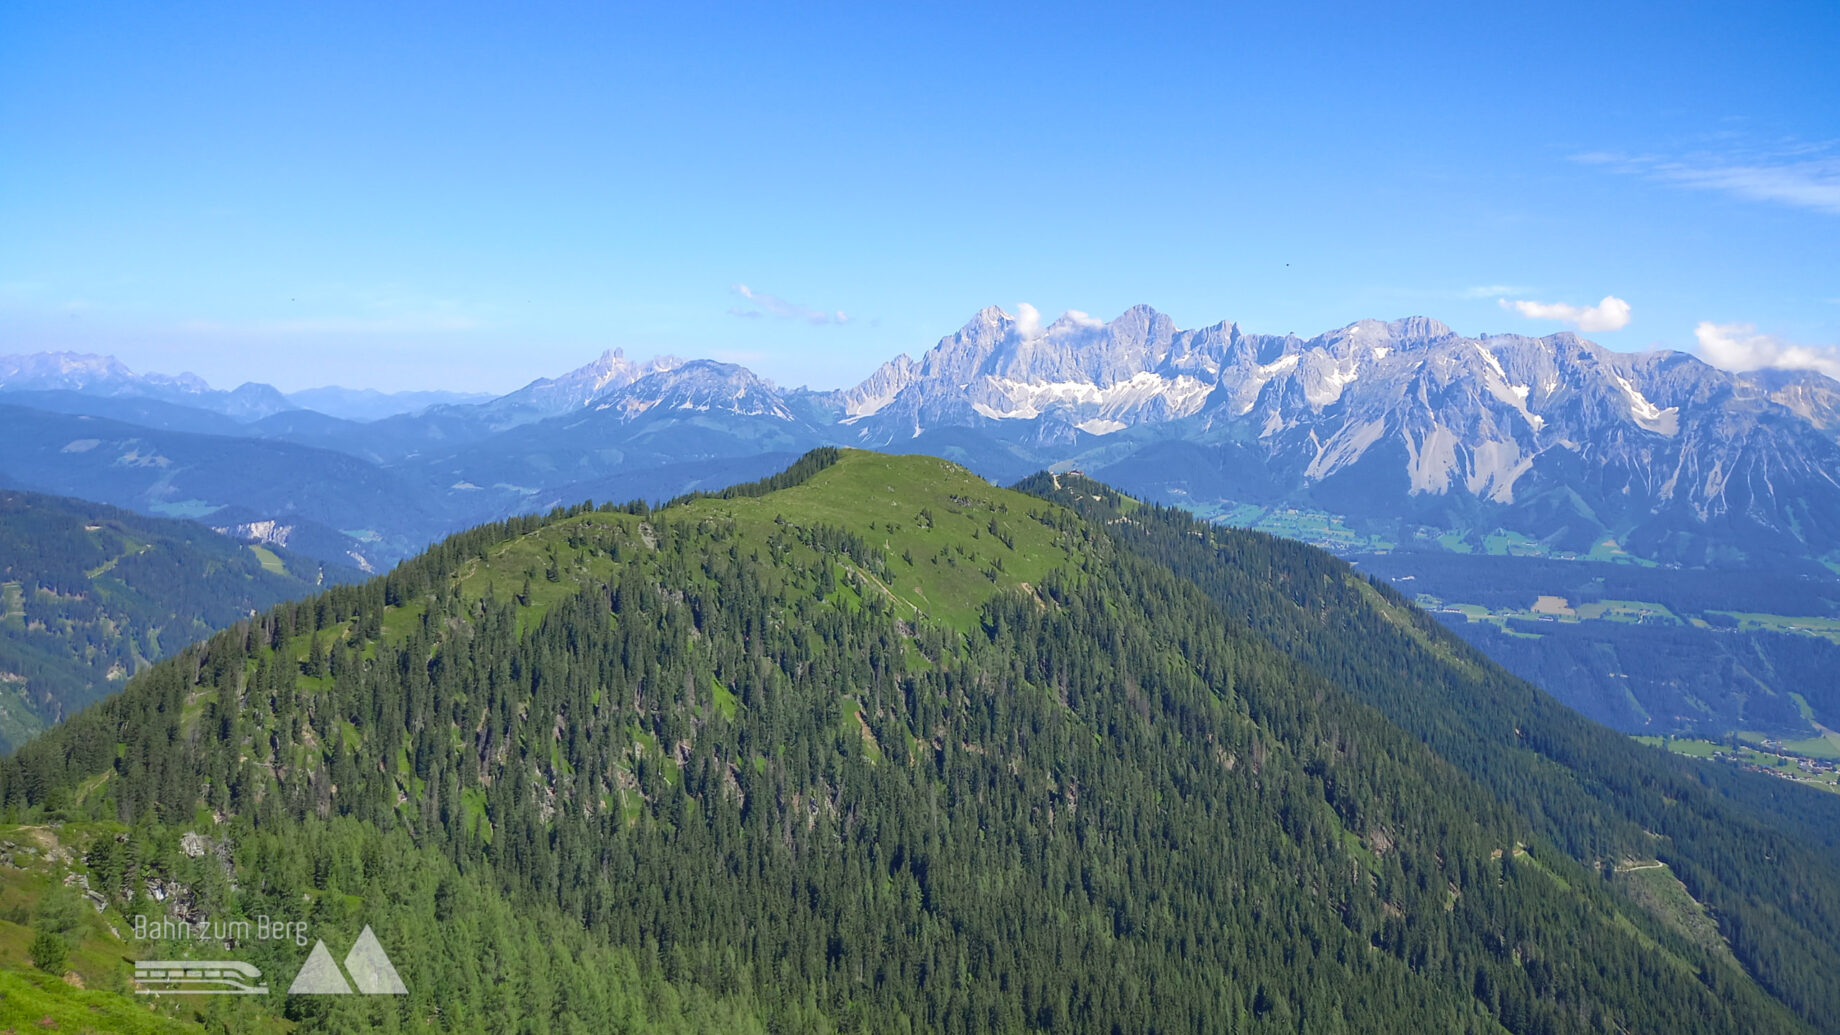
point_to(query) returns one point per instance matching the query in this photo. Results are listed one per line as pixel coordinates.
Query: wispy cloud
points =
(774, 306)
(1611, 314)
(1738, 346)
(1493, 291)
(1793, 173)
(1814, 185)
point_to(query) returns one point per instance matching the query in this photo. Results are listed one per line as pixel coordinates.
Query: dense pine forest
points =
(1758, 852)
(875, 747)
(91, 594)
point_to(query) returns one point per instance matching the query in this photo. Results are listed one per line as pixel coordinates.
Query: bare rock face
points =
(700, 386)
(194, 845)
(1385, 416)
(550, 397)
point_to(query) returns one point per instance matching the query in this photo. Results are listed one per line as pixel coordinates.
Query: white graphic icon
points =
(320, 976)
(370, 969)
(204, 977)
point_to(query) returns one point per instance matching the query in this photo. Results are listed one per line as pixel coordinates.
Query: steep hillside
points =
(873, 746)
(1757, 852)
(334, 506)
(90, 595)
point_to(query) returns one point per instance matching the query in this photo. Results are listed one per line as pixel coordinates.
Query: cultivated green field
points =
(1755, 749)
(270, 562)
(1806, 625)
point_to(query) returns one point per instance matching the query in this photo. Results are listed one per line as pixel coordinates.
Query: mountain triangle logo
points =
(369, 966)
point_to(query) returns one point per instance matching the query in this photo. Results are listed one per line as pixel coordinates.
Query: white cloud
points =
(1080, 319)
(1028, 320)
(1738, 346)
(773, 305)
(1611, 314)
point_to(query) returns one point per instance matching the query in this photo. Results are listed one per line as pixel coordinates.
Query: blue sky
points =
(470, 196)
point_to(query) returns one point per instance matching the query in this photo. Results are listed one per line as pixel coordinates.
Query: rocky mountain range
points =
(1378, 439)
(1554, 438)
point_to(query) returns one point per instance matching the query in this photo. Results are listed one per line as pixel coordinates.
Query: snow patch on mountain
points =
(1326, 386)
(699, 386)
(1494, 364)
(1183, 395)
(1651, 416)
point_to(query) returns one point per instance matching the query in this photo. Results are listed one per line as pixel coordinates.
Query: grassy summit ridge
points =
(873, 747)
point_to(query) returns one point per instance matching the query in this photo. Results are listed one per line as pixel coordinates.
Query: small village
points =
(1821, 772)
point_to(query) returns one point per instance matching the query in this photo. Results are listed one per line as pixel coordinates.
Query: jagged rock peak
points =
(880, 388)
(988, 317)
(1419, 328)
(1143, 322)
(705, 371)
(700, 385)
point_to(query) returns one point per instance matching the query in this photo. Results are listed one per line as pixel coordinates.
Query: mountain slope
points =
(1758, 852)
(90, 595)
(871, 746)
(342, 509)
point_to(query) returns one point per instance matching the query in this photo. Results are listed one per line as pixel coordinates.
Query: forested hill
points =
(876, 747)
(1758, 852)
(90, 594)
